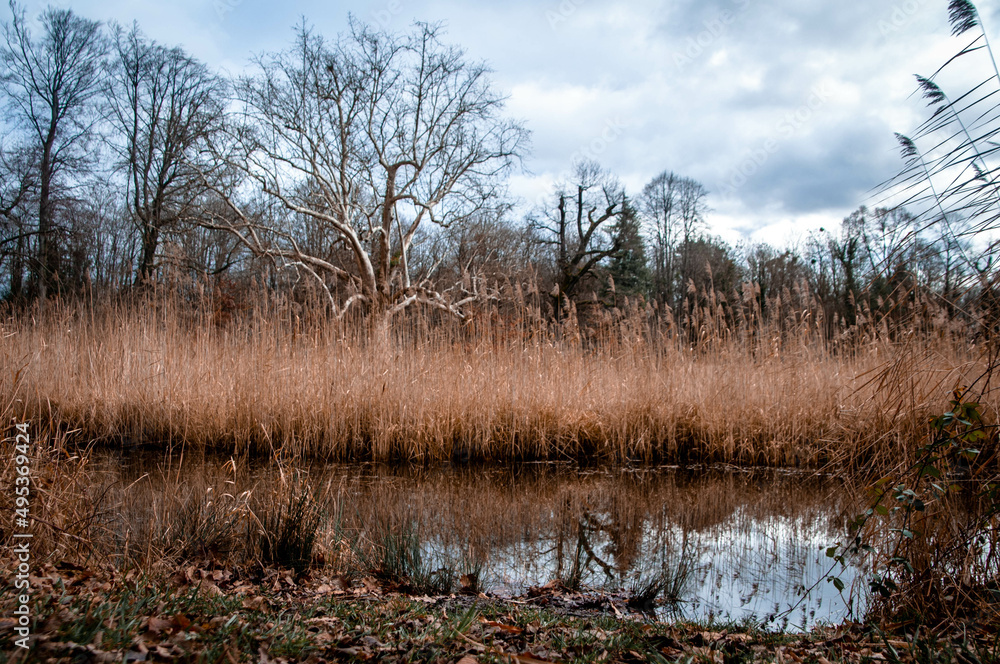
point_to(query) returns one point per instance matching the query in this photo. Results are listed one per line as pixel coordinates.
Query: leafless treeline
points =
(373, 167)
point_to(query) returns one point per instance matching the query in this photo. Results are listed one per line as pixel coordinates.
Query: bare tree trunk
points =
(17, 268)
(147, 257)
(48, 257)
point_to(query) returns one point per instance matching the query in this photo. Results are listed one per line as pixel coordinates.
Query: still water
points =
(726, 544)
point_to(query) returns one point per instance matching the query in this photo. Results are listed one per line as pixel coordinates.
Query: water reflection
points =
(723, 544)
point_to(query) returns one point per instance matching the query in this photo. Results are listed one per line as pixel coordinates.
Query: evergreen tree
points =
(629, 267)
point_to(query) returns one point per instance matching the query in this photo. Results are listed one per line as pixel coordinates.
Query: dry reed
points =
(274, 381)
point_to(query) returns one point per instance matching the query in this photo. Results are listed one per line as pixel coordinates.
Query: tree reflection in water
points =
(707, 543)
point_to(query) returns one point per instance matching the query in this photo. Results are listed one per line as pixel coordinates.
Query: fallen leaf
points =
(353, 652)
(372, 642)
(98, 655)
(528, 658)
(159, 625)
(253, 603)
(510, 629)
(167, 652)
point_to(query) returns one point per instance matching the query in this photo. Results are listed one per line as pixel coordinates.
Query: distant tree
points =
(712, 267)
(110, 234)
(847, 250)
(589, 225)
(950, 269)
(629, 268)
(370, 138)
(210, 252)
(163, 105)
(893, 252)
(18, 180)
(889, 236)
(840, 265)
(674, 208)
(773, 271)
(877, 257)
(488, 247)
(51, 84)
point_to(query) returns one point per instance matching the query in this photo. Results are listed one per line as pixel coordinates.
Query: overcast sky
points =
(784, 109)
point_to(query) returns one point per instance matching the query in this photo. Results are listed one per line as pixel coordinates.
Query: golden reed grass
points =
(275, 380)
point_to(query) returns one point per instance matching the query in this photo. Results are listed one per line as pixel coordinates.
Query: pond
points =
(721, 543)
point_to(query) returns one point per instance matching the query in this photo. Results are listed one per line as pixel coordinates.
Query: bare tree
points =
(584, 229)
(489, 246)
(841, 265)
(162, 104)
(18, 185)
(51, 84)
(370, 137)
(889, 235)
(772, 271)
(675, 208)
(17, 178)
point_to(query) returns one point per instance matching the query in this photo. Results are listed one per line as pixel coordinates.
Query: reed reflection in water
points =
(709, 543)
